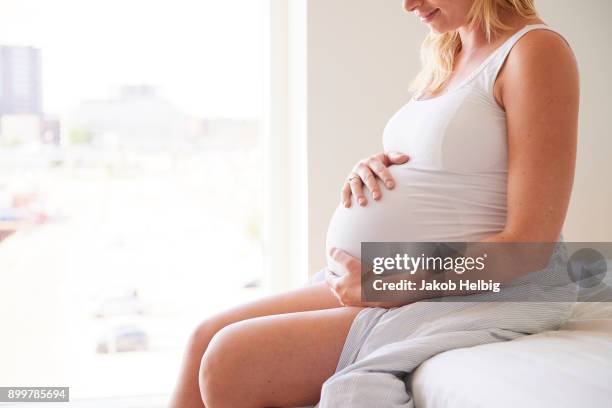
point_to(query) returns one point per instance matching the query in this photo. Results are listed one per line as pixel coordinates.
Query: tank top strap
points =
(494, 63)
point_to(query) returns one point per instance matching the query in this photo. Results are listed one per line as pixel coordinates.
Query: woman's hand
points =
(368, 172)
(346, 284)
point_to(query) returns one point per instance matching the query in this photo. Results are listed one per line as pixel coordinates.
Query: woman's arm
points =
(539, 89)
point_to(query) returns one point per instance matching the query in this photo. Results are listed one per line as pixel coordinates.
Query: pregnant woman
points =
(483, 151)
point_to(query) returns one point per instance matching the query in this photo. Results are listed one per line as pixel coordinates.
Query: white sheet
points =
(565, 368)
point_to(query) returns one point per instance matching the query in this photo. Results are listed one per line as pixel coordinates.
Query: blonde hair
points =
(438, 51)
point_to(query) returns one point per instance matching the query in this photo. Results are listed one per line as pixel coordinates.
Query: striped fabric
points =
(384, 346)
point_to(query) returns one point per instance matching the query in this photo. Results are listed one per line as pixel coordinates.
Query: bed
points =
(570, 367)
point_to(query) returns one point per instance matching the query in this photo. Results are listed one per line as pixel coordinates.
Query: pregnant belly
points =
(425, 206)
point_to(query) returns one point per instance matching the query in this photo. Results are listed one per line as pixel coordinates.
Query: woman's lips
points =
(428, 17)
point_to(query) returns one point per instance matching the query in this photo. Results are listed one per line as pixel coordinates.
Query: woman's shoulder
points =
(543, 39)
(541, 57)
(541, 49)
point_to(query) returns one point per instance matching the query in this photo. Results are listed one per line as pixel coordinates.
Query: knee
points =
(201, 336)
(220, 369)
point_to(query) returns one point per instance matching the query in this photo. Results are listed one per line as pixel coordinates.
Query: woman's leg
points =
(274, 361)
(312, 297)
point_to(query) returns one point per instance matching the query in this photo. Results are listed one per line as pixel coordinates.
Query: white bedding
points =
(571, 367)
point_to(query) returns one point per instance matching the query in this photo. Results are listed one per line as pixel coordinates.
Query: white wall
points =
(362, 55)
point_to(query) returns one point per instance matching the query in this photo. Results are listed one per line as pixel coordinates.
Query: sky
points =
(205, 56)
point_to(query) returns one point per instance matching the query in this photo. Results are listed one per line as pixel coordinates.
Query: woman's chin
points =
(439, 26)
(437, 29)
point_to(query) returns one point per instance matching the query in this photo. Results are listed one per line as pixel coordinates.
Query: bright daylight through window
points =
(130, 172)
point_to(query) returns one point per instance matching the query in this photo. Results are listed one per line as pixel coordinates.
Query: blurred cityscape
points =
(123, 223)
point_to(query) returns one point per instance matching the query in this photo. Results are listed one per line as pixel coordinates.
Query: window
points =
(132, 206)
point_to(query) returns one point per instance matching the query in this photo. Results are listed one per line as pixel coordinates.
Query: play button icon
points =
(587, 267)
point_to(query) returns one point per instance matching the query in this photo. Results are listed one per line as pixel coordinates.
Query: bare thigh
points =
(312, 297)
(315, 296)
(274, 361)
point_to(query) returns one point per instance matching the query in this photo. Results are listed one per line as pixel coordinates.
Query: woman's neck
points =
(473, 38)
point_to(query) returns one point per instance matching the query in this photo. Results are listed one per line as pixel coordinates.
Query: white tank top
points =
(454, 186)
(464, 129)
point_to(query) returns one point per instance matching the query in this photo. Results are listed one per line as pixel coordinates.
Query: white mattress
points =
(571, 367)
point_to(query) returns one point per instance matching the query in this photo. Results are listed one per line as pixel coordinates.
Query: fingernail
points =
(390, 184)
(376, 195)
(346, 204)
(362, 201)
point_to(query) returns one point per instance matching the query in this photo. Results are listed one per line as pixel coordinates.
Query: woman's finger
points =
(369, 179)
(330, 278)
(381, 171)
(357, 189)
(345, 195)
(350, 263)
(397, 158)
(333, 281)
